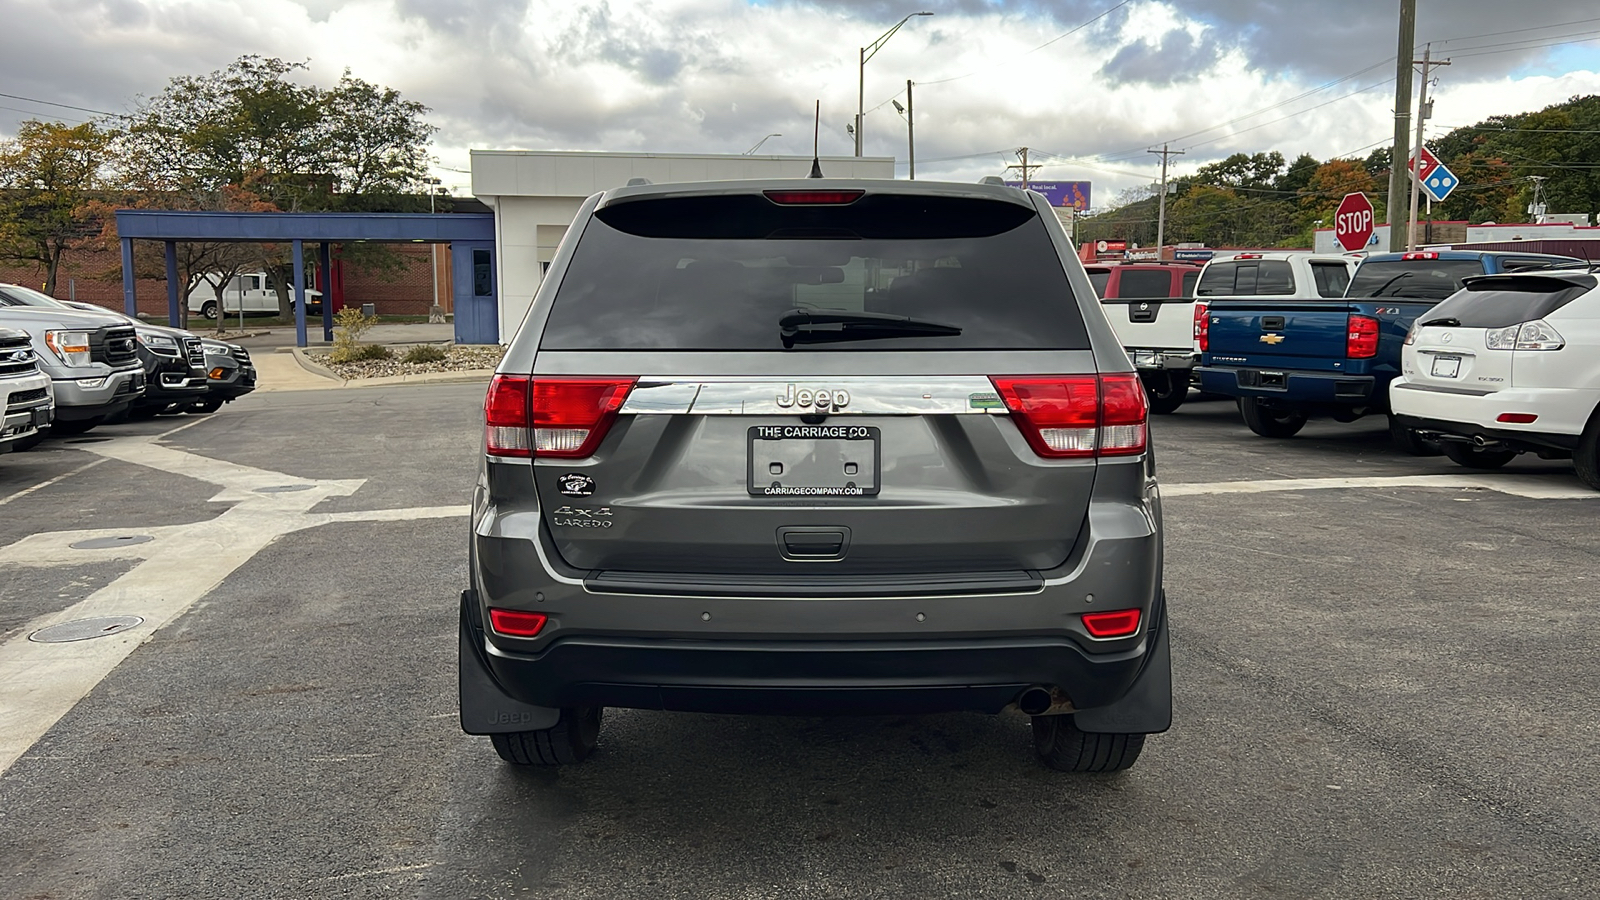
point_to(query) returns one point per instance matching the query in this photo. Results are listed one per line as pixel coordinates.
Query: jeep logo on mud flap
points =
(814, 398)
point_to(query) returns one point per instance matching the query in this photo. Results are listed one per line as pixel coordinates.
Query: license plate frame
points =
(1440, 370)
(803, 475)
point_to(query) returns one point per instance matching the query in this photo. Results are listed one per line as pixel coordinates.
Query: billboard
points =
(1061, 193)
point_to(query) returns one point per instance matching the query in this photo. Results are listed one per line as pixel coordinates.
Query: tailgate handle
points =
(1272, 323)
(1143, 312)
(814, 544)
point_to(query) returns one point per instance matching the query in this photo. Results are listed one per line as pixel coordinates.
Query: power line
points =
(98, 112)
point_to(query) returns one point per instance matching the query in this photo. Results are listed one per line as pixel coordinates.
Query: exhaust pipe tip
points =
(1034, 701)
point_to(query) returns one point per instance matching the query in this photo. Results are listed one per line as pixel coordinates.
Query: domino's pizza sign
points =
(1433, 176)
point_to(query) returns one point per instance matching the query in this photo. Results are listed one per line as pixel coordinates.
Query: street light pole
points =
(433, 255)
(867, 53)
(911, 130)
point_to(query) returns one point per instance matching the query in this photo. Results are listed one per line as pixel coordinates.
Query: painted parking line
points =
(41, 682)
(1555, 486)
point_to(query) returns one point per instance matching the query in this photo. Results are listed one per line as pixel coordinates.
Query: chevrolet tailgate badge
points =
(1272, 339)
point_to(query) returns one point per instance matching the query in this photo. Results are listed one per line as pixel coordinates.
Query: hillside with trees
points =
(1265, 200)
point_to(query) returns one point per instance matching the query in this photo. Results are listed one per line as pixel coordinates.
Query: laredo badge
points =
(576, 484)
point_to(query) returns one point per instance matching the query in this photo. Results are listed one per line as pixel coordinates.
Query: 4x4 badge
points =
(576, 484)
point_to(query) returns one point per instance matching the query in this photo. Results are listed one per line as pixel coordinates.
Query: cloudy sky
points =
(1090, 85)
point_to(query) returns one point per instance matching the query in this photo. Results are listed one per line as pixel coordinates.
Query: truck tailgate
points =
(1289, 334)
(1151, 323)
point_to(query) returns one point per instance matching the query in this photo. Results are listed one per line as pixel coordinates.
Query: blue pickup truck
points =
(1288, 360)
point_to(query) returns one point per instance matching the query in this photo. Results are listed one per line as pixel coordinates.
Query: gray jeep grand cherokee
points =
(816, 447)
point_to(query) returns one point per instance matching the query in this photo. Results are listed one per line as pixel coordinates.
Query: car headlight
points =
(72, 347)
(156, 341)
(218, 350)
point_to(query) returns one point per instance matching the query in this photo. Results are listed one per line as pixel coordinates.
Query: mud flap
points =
(485, 706)
(1147, 707)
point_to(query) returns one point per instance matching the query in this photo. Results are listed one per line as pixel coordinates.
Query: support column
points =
(172, 284)
(325, 284)
(299, 293)
(130, 299)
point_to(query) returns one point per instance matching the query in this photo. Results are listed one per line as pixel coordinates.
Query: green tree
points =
(293, 147)
(49, 177)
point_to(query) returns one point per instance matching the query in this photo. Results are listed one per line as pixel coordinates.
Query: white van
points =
(255, 292)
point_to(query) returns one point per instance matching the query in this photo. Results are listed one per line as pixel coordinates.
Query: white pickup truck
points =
(1162, 333)
(254, 292)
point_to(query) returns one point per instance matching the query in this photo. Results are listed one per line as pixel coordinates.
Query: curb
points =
(465, 377)
(313, 367)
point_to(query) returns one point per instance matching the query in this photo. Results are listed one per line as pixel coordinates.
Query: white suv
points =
(1509, 364)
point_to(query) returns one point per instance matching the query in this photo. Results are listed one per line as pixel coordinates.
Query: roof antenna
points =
(816, 160)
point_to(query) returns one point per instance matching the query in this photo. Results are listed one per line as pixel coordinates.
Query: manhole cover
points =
(283, 488)
(89, 440)
(106, 543)
(83, 629)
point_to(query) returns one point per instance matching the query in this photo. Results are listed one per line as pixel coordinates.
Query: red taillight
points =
(1117, 624)
(516, 623)
(570, 416)
(1517, 418)
(1077, 416)
(564, 418)
(1202, 326)
(813, 198)
(1361, 338)
(505, 416)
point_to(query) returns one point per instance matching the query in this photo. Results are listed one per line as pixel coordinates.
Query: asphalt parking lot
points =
(1384, 665)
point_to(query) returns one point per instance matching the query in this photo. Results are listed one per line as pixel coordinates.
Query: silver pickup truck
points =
(25, 396)
(92, 361)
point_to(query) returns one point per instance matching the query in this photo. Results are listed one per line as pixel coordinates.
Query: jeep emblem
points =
(814, 398)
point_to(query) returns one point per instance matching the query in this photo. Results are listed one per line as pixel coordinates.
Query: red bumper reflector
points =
(1517, 418)
(1121, 623)
(516, 623)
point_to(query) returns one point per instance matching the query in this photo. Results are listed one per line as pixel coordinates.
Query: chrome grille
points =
(16, 355)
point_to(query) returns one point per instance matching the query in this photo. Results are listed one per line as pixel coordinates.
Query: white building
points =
(535, 195)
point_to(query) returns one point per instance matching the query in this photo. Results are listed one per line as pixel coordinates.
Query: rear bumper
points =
(1291, 386)
(1562, 412)
(1149, 360)
(809, 677)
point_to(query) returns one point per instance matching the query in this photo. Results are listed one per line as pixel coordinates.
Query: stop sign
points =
(1352, 224)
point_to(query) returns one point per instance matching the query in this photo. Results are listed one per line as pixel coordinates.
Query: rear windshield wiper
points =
(1447, 321)
(817, 326)
(1385, 286)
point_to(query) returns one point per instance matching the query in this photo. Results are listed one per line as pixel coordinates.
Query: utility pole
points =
(1402, 117)
(911, 129)
(1161, 217)
(1026, 169)
(1416, 167)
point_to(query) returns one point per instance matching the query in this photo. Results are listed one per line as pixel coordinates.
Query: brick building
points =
(95, 276)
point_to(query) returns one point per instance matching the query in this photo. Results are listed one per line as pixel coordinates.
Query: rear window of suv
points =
(718, 273)
(1246, 279)
(1498, 302)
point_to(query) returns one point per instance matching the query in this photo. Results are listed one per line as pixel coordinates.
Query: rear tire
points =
(1409, 441)
(1477, 457)
(1269, 422)
(568, 743)
(1062, 747)
(1586, 459)
(75, 426)
(1167, 389)
(209, 309)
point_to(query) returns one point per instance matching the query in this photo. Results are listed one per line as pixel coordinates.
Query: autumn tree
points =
(50, 174)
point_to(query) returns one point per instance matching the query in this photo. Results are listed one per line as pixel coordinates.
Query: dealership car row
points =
(68, 367)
